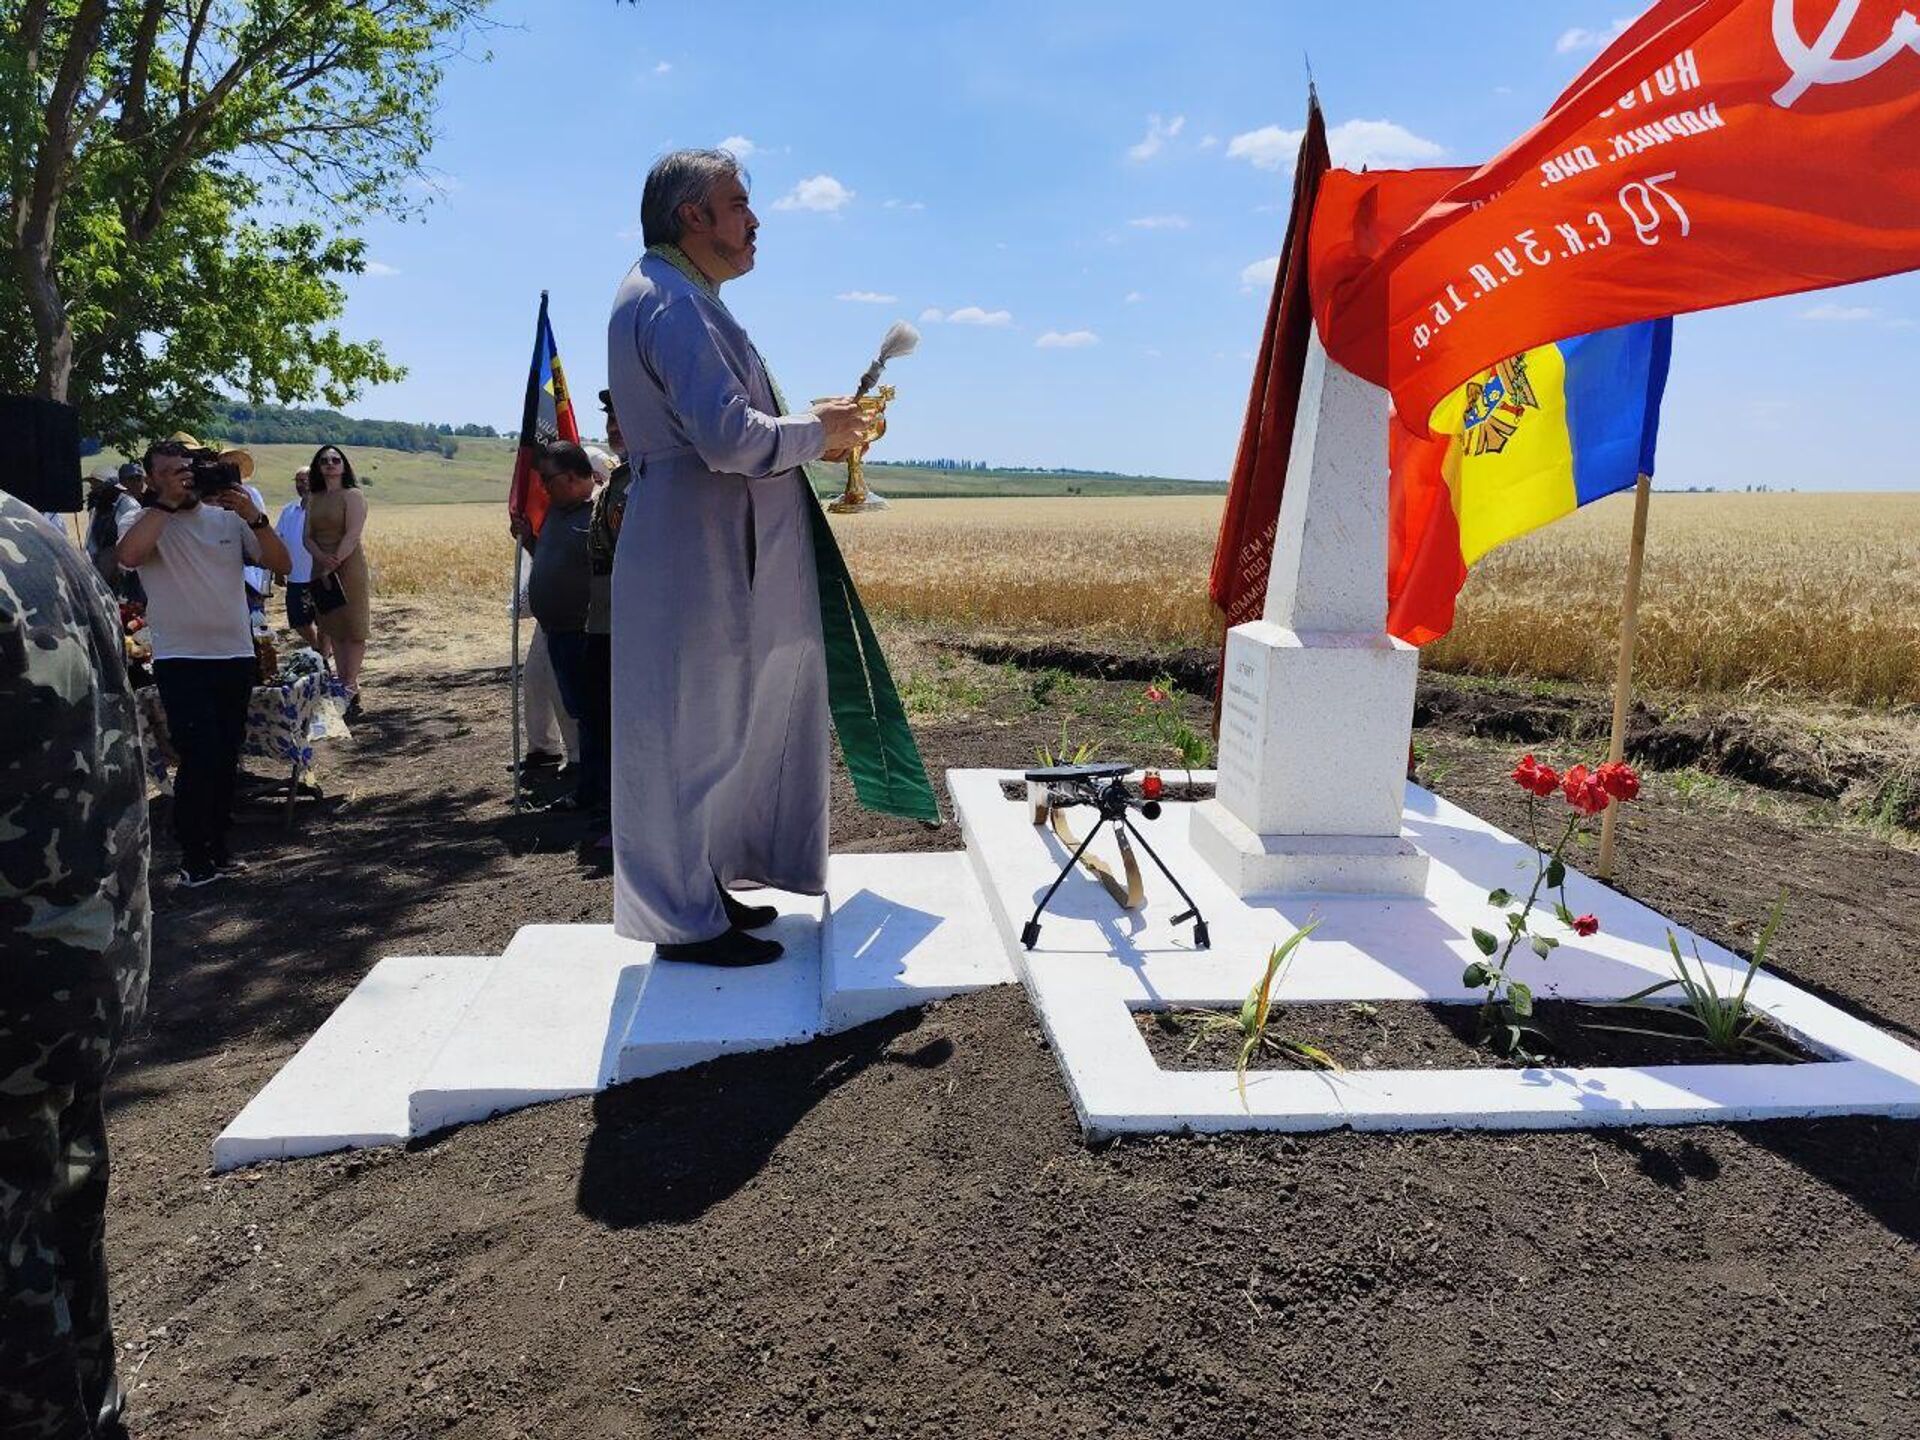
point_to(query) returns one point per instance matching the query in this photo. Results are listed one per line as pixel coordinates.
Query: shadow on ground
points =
(666, 1149)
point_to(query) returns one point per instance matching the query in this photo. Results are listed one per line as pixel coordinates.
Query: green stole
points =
(882, 759)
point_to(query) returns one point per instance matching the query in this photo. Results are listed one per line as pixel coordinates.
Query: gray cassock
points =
(720, 745)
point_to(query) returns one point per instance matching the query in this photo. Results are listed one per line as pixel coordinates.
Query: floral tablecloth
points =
(283, 722)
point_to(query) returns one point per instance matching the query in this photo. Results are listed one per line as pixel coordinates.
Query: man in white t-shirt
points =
(291, 527)
(192, 552)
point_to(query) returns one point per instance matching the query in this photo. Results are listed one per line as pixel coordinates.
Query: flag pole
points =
(1623, 675)
(519, 551)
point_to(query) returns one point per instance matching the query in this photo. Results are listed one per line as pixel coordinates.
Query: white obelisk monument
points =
(1318, 702)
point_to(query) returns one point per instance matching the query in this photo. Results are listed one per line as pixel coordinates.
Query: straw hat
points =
(240, 460)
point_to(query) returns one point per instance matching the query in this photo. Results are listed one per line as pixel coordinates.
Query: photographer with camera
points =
(191, 545)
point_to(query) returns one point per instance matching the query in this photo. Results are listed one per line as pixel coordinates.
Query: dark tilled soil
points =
(1405, 1035)
(898, 1232)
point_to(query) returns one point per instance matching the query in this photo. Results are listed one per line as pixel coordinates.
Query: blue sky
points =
(1077, 197)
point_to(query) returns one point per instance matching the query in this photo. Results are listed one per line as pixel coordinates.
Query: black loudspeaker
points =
(40, 452)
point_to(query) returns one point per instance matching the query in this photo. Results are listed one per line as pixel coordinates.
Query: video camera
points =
(209, 475)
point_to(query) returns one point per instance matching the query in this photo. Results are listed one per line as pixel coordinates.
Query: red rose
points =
(1619, 779)
(1151, 786)
(1586, 925)
(1156, 694)
(1584, 791)
(1534, 778)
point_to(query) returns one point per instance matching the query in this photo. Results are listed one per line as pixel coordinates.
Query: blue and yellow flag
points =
(1532, 439)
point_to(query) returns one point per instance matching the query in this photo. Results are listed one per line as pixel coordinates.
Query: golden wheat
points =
(1817, 594)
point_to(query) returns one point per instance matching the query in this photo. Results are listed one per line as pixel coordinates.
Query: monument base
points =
(1254, 864)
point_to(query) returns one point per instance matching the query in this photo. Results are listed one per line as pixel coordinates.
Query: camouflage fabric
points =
(609, 505)
(73, 971)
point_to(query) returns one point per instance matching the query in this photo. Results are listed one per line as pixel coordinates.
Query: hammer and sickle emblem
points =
(1819, 63)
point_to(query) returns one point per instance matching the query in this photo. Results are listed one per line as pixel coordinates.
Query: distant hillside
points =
(930, 482)
(478, 471)
(240, 424)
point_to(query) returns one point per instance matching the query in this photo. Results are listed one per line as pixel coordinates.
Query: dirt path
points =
(897, 1232)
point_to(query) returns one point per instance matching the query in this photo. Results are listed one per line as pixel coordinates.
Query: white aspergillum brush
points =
(901, 339)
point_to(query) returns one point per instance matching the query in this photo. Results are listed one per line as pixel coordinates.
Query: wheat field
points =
(1806, 594)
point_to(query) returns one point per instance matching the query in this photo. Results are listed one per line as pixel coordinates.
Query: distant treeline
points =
(982, 467)
(240, 424)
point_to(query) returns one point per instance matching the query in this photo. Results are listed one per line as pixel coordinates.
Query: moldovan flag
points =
(1529, 440)
(1718, 151)
(1244, 551)
(547, 416)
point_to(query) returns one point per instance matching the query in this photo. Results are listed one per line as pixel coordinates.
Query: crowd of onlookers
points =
(182, 538)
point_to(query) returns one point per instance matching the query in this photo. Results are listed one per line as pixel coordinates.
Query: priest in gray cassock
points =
(736, 629)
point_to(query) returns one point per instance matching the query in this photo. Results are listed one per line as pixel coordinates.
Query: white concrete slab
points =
(1095, 964)
(546, 1025)
(693, 1013)
(347, 1087)
(904, 930)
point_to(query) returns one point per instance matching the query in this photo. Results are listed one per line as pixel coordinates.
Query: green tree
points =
(182, 181)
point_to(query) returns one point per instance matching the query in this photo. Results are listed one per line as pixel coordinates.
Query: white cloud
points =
(1160, 222)
(1067, 340)
(1379, 142)
(1267, 148)
(738, 146)
(967, 315)
(1134, 297)
(1352, 142)
(1207, 142)
(380, 267)
(1260, 273)
(1581, 38)
(662, 68)
(867, 297)
(905, 205)
(1159, 131)
(1828, 311)
(821, 193)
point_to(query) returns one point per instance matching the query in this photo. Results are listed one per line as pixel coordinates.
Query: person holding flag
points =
(736, 629)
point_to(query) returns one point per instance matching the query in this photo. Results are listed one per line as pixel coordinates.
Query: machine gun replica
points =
(1103, 788)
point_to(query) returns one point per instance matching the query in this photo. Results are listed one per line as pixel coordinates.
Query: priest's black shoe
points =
(747, 917)
(733, 949)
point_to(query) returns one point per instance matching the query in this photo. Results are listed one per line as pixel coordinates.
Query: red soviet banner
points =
(1719, 151)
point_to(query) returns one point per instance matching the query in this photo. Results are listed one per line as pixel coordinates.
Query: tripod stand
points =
(1104, 789)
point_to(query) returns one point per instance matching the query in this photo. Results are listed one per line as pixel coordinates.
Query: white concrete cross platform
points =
(425, 1042)
(1094, 966)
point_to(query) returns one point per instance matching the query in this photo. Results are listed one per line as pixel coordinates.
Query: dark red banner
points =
(1243, 554)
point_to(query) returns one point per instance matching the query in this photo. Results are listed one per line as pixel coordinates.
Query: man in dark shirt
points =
(559, 592)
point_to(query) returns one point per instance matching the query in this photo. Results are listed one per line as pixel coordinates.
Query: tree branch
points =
(133, 104)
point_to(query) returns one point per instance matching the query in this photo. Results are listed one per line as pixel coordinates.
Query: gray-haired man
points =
(720, 744)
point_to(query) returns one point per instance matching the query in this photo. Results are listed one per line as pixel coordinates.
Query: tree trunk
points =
(52, 330)
(39, 208)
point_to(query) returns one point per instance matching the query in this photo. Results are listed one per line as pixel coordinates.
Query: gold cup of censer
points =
(873, 398)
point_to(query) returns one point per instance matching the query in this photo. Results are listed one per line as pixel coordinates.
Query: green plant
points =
(1067, 754)
(1507, 1005)
(1157, 721)
(1724, 1021)
(1252, 1023)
